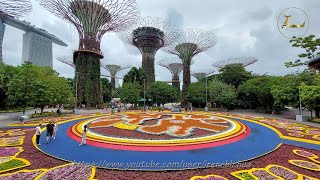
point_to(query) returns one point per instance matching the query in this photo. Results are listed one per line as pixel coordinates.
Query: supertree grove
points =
(92, 19)
(201, 74)
(149, 35)
(14, 9)
(189, 44)
(243, 61)
(114, 69)
(67, 60)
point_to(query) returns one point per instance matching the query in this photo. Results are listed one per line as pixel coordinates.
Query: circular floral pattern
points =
(179, 131)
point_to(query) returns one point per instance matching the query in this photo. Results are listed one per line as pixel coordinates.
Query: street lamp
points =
(300, 101)
(27, 63)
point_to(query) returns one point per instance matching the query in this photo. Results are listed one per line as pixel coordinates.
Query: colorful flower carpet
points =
(135, 145)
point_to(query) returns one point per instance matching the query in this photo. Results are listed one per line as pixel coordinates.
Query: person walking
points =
(84, 136)
(113, 109)
(38, 133)
(50, 127)
(55, 129)
(21, 121)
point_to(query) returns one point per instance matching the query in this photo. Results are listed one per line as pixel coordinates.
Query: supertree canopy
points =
(201, 74)
(149, 35)
(67, 60)
(113, 69)
(243, 61)
(15, 8)
(189, 44)
(92, 18)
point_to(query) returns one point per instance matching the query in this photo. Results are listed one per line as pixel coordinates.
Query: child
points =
(84, 136)
(38, 129)
(55, 129)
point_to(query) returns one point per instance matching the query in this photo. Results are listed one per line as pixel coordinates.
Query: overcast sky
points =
(242, 27)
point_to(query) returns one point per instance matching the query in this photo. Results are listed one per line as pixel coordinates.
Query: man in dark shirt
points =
(50, 128)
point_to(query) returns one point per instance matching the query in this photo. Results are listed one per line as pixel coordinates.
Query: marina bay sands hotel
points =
(37, 42)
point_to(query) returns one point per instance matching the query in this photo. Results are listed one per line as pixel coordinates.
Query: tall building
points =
(37, 49)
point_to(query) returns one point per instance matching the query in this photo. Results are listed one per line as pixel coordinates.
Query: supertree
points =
(189, 44)
(113, 69)
(175, 66)
(149, 35)
(67, 60)
(201, 74)
(13, 9)
(243, 61)
(92, 19)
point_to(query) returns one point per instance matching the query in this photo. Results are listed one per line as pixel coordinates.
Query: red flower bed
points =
(116, 132)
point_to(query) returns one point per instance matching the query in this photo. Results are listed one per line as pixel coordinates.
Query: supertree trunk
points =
(113, 86)
(186, 80)
(88, 84)
(2, 29)
(148, 67)
(176, 84)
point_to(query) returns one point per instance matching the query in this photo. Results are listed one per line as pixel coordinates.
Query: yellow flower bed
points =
(126, 126)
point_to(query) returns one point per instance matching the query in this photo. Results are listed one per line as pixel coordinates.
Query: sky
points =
(242, 28)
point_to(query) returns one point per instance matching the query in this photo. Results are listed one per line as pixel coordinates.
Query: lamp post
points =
(144, 94)
(300, 101)
(27, 63)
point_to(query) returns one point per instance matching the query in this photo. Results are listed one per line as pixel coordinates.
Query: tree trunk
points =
(317, 112)
(88, 83)
(42, 107)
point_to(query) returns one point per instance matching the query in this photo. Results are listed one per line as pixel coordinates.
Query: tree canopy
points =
(197, 93)
(39, 86)
(222, 94)
(130, 93)
(162, 92)
(234, 74)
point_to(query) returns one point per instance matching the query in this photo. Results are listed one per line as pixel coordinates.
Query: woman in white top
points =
(84, 136)
(38, 133)
(55, 129)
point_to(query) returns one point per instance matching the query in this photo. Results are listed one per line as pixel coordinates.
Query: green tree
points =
(106, 90)
(286, 91)
(256, 93)
(162, 92)
(43, 87)
(222, 94)
(234, 74)
(135, 75)
(6, 74)
(130, 93)
(310, 96)
(197, 94)
(310, 44)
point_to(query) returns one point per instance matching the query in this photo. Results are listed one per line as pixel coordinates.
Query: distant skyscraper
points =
(37, 49)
